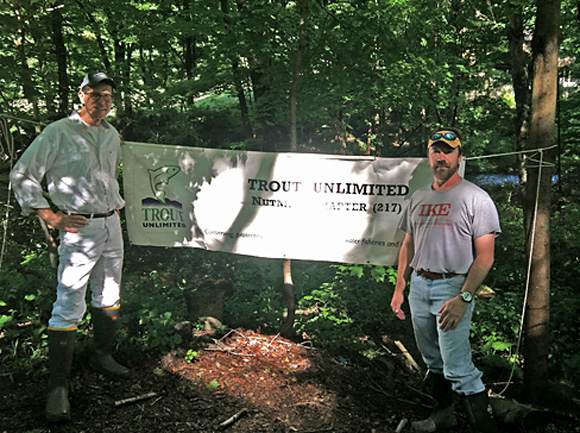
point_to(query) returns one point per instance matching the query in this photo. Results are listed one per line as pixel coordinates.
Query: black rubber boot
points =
(480, 413)
(61, 345)
(104, 326)
(444, 397)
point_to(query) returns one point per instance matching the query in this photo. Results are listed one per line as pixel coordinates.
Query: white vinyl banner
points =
(278, 205)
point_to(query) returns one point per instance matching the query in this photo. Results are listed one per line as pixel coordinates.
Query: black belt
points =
(93, 215)
(435, 276)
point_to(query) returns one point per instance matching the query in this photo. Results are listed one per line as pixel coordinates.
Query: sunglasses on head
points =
(446, 135)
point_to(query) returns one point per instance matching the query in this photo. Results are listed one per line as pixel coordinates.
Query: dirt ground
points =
(247, 382)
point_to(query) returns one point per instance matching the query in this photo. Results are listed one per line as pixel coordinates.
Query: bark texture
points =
(545, 48)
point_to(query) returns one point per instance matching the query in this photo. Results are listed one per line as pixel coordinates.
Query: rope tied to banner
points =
(540, 164)
(528, 271)
(519, 152)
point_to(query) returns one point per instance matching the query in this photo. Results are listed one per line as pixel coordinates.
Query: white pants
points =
(95, 255)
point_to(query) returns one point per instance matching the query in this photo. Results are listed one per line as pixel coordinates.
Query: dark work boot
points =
(61, 345)
(442, 416)
(104, 326)
(480, 413)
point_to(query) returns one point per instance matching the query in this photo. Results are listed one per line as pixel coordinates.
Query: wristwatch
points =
(466, 296)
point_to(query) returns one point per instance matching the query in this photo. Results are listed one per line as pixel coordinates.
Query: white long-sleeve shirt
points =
(80, 164)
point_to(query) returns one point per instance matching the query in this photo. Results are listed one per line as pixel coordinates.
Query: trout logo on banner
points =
(159, 212)
(278, 205)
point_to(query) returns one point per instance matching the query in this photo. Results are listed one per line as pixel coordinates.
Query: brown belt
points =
(435, 276)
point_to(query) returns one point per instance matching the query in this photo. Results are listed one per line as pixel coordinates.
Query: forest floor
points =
(246, 382)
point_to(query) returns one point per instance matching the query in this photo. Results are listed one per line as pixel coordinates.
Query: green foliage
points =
(375, 74)
(157, 330)
(191, 356)
(204, 74)
(257, 300)
(343, 313)
(496, 325)
(569, 158)
(497, 321)
(213, 385)
(564, 300)
(23, 302)
(509, 271)
(152, 305)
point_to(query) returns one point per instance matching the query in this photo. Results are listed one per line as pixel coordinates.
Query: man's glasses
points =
(446, 135)
(95, 96)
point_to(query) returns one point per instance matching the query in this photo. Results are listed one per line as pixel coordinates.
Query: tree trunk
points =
(62, 62)
(545, 47)
(237, 76)
(189, 49)
(296, 75)
(244, 112)
(521, 84)
(190, 59)
(27, 83)
(98, 35)
(287, 327)
(123, 53)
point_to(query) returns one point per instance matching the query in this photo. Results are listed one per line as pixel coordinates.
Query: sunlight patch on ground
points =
(267, 372)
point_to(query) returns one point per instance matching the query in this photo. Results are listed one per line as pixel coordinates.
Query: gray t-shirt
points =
(445, 223)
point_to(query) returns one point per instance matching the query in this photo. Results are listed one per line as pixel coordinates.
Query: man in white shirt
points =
(79, 159)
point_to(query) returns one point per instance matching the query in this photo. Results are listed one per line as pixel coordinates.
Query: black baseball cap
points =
(92, 79)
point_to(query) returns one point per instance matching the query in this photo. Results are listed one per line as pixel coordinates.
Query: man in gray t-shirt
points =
(448, 250)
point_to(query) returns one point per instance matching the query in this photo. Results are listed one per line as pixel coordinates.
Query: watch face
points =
(466, 296)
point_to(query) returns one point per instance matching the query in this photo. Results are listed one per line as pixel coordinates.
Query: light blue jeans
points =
(93, 255)
(444, 352)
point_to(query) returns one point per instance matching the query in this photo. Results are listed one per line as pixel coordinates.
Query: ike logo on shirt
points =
(434, 210)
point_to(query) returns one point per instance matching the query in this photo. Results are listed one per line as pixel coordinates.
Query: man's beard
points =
(447, 172)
